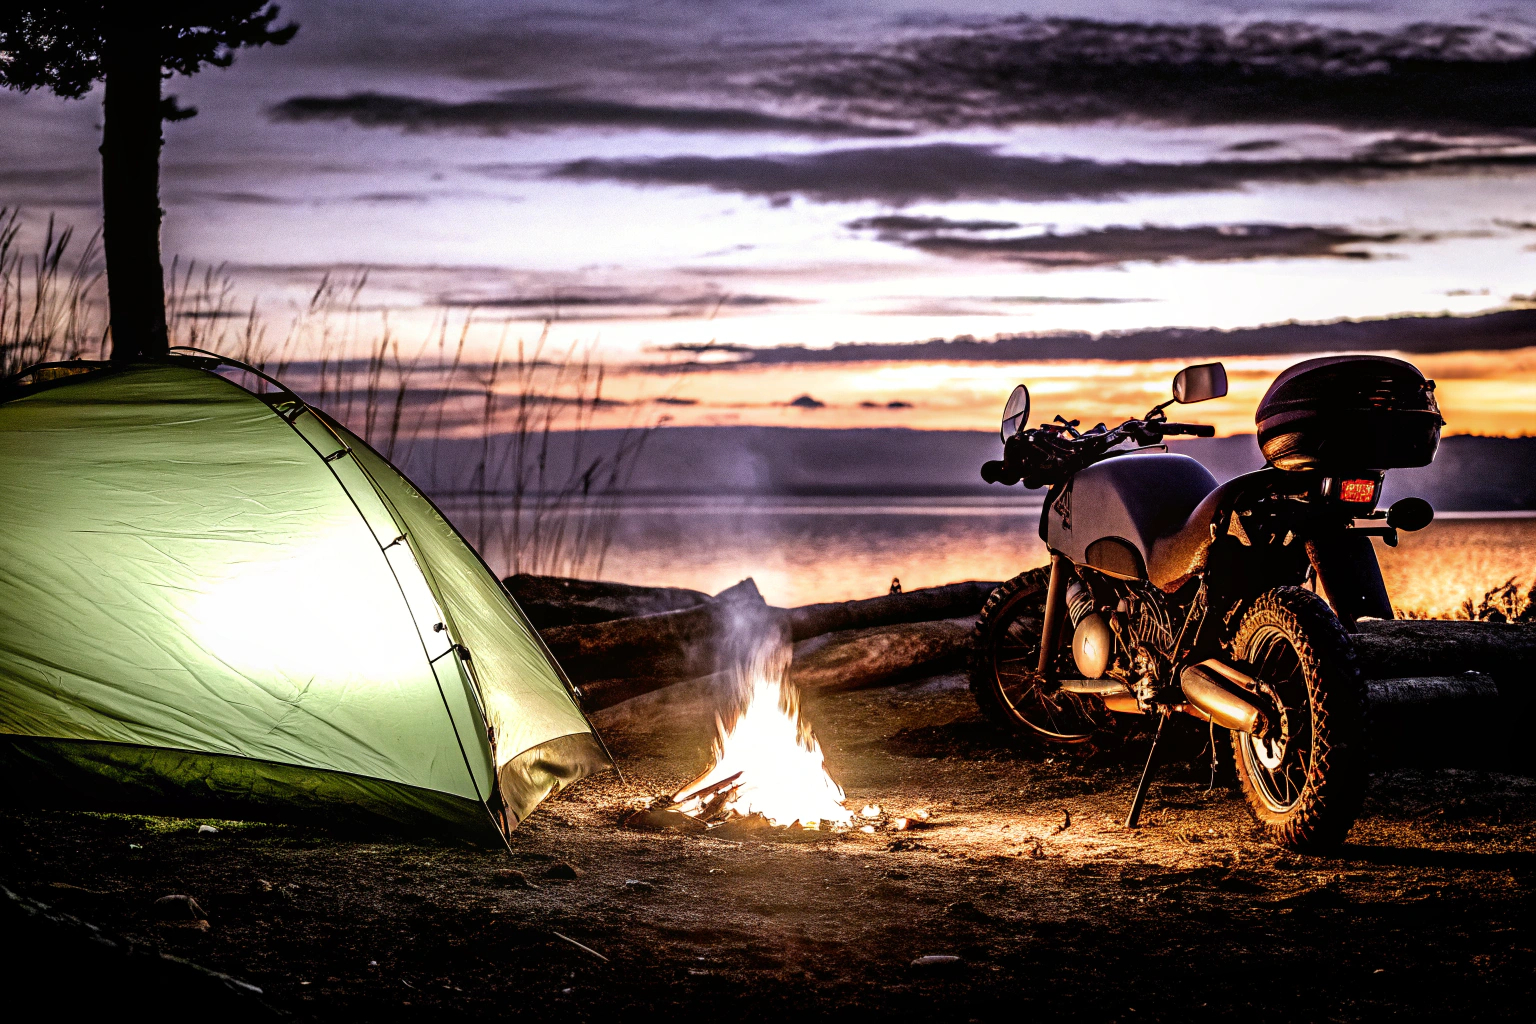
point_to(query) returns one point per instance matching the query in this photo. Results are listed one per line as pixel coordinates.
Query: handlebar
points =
(1053, 452)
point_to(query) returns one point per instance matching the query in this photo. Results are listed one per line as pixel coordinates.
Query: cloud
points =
(613, 298)
(544, 110)
(1153, 244)
(1509, 329)
(900, 223)
(392, 198)
(899, 175)
(1423, 77)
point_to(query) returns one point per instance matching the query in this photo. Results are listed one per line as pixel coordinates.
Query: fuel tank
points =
(1111, 512)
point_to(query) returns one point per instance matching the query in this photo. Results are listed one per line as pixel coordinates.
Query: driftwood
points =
(879, 656)
(929, 604)
(559, 601)
(614, 661)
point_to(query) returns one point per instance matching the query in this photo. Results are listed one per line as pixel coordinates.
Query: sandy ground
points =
(1426, 914)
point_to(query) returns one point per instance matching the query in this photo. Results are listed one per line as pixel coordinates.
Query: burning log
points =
(614, 661)
(857, 658)
(930, 604)
(558, 601)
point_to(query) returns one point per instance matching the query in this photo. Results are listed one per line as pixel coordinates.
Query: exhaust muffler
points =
(1219, 693)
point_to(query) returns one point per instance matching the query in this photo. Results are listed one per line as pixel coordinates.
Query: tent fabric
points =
(209, 603)
(542, 740)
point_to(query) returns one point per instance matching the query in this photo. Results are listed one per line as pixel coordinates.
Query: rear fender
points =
(1350, 576)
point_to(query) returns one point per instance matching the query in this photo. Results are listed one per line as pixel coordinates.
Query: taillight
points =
(1361, 492)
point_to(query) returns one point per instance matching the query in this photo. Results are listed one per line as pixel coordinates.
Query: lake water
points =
(802, 550)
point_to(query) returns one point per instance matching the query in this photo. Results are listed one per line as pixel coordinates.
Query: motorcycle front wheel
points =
(1306, 779)
(1005, 661)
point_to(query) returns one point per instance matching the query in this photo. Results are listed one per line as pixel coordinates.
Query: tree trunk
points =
(130, 190)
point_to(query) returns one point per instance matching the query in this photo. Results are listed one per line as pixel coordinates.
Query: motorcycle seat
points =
(1177, 556)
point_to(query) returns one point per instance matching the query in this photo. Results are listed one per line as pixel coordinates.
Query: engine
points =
(1119, 632)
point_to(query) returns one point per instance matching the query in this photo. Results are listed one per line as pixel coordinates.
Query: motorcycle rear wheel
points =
(1306, 781)
(1005, 658)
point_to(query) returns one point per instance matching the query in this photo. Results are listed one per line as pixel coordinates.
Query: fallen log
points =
(614, 661)
(1401, 648)
(1438, 722)
(928, 604)
(880, 656)
(558, 601)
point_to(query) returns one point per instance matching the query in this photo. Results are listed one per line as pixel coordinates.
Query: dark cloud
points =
(543, 110)
(1153, 244)
(392, 198)
(1424, 77)
(1510, 329)
(246, 198)
(946, 171)
(47, 175)
(591, 298)
(899, 223)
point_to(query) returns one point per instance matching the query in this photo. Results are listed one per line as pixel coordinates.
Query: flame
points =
(783, 774)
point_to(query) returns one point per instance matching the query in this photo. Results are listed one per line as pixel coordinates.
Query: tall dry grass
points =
(508, 444)
(48, 298)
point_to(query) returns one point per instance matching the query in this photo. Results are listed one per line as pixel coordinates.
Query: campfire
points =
(768, 766)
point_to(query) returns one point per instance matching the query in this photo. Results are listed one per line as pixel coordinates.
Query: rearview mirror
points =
(1015, 411)
(1200, 383)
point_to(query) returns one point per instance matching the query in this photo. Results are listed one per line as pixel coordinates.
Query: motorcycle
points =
(1169, 594)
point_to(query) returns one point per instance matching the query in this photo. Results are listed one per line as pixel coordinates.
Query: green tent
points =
(215, 602)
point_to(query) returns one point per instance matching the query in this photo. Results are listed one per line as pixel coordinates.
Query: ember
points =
(767, 761)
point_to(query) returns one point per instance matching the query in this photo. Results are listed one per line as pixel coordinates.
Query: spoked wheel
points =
(1005, 660)
(1306, 778)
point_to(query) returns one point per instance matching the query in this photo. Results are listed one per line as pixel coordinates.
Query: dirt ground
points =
(1054, 911)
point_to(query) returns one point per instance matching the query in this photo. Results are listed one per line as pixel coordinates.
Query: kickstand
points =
(1146, 775)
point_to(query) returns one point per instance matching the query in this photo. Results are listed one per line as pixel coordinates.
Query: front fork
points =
(1055, 614)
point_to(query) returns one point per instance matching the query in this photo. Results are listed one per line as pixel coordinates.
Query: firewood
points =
(559, 601)
(929, 604)
(653, 820)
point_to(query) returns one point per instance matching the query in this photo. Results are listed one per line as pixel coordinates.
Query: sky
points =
(730, 202)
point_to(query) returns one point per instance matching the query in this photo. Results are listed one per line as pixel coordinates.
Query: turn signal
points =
(1361, 492)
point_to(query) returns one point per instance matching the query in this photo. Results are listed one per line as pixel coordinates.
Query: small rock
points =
(967, 910)
(638, 885)
(867, 829)
(511, 878)
(181, 912)
(936, 961)
(204, 829)
(870, 811)
(560, 869)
